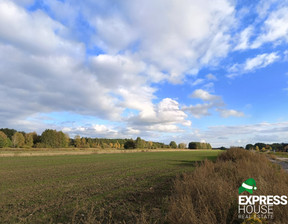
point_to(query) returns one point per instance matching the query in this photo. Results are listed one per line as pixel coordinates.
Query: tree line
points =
(278, 147)
(58, 139)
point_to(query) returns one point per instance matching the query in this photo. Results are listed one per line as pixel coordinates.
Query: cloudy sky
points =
(183, 70)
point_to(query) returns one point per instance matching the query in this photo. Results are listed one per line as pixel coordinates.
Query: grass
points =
(96, 188)
(279, 154)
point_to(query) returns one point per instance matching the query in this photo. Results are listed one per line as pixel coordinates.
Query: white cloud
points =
(199, 110)
(250, 133)
(211, 77)
(119, 70)
(165, 116)
(244, 38)
(275, 28)
(44, 84)
(260, 61)
(230, 113)
(131, 131)
(140, 43)
(169, 111)
(219, 47)
(52, 74)
(251, 64)
(107, 33)
(263, 8)
(34, 32)
(204, 95)
(92, 130)
(214, 102)
(209, 87)
(183, 36)
(197, 82)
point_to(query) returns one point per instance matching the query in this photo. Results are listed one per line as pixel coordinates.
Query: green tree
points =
(139, 143)
(29, 139)
(130, 144)
(192, 145)
(4, 140)
(62, 140)
(199, 145)
(54, 139)
(173, 145)
(48, 138)
(260, 145)
(182, 145)
(249, 146)
(8, 132)
(77, 141)
(84, 143)
(208, 146)
(18, 140)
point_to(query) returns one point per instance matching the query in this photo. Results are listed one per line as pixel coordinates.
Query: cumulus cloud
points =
(36, 32)
(52, 74)
(165, 116)
(183, 36)
(204, 95)
(49, 68)
(199, 110)
(92, 130)
(211, 102)
(101, 59)
(40, 84)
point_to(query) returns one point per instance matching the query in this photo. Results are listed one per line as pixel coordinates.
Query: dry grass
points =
(209, 194)
(11, 152)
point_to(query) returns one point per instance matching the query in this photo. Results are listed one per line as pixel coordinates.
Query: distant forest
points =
(58, 139)
(277, 147)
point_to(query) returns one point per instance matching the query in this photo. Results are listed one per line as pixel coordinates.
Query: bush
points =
(130, 144)
(210, 193)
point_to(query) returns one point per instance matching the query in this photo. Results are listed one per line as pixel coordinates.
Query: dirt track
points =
(282, 162)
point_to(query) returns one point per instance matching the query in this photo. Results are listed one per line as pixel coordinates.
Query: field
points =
(96, 188)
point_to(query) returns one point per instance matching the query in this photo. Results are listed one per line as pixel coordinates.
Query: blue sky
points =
(186, 70)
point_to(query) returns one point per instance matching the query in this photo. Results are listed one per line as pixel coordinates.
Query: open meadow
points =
(95, 188)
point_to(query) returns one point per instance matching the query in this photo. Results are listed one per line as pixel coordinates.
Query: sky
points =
(185, 70)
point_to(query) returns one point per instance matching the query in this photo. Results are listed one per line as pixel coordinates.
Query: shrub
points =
(130, 144)
(210, 193)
